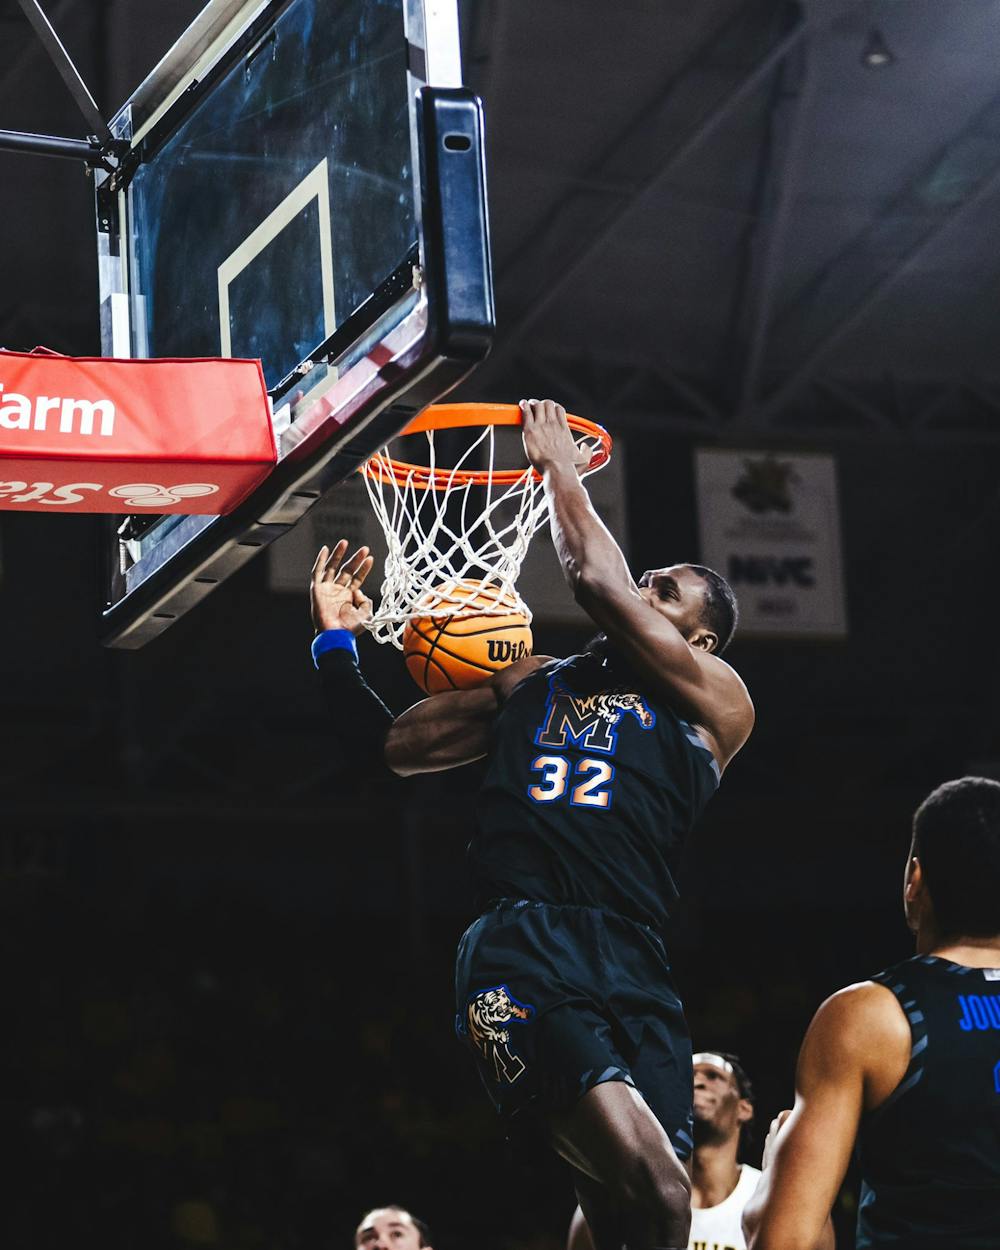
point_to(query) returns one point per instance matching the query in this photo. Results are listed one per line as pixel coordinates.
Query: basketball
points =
(459, 652)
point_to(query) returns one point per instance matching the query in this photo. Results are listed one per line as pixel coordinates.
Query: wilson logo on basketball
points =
(500, 651)
(75, 416)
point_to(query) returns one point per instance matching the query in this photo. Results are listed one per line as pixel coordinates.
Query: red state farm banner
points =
(99, 435)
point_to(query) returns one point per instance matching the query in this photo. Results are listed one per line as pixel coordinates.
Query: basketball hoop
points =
(466, 528)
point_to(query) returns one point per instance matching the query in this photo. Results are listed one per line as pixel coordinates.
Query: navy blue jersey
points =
(592, 785)
(930, 1154)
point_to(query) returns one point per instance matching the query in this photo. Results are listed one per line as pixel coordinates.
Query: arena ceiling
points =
(738, 218)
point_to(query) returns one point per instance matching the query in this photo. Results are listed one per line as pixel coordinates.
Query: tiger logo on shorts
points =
(486, 1015)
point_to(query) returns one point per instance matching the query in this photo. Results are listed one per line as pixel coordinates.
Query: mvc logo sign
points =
(770, 522)
(772, 570)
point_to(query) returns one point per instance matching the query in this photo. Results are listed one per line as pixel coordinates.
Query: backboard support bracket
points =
(100, 150)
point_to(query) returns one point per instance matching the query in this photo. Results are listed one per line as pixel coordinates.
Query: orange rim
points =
(461, 416)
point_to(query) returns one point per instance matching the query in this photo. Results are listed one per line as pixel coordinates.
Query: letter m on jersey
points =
(589, 722)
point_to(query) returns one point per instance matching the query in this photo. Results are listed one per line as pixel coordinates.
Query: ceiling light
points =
(877, 53)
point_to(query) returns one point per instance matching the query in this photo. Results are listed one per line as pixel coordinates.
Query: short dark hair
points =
(423, 1230)
(956, 837)
(720, 612)
(739, 1072)
(745, 1088)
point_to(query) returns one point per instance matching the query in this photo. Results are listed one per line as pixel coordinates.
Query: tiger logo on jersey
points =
(487, 1015)
(589, 721)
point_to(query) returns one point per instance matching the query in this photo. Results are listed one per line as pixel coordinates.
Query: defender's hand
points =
(548, 440)
(777, 1124)
(338, 602)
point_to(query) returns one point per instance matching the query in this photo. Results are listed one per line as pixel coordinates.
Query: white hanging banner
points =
(770, 524)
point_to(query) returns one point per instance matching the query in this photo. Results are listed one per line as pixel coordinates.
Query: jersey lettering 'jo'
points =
(979, 1011)
(591, 787)
(929, 1159)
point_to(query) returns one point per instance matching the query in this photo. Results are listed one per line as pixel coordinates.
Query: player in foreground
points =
(907, 1065)
(599, 766)
(720, 1185)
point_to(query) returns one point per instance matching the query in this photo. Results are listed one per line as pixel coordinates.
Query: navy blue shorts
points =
(555, 1000)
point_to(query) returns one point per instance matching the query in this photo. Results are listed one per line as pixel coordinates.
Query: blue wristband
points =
(333, 640)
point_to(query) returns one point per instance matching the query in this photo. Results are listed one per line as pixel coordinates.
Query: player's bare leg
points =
(632, 1187)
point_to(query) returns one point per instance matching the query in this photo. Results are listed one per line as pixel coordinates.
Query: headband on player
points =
(716, 1061)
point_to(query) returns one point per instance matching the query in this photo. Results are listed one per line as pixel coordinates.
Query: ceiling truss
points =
(637, 396)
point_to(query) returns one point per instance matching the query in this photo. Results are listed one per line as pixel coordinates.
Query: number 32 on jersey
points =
(587, 785)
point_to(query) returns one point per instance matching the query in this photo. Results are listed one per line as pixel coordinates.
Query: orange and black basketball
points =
(459, 652)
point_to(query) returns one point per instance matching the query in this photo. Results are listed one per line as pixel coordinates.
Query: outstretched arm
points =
(702, 684)
(451, 728)
(854, 1053)
(441, 732)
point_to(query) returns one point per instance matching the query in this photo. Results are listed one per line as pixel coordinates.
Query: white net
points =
(455, 550)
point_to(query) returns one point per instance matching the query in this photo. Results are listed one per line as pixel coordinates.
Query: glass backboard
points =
(304, 184)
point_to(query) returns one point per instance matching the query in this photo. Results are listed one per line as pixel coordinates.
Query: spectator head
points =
(952, 878)
(391, 1228)
(723, 1100)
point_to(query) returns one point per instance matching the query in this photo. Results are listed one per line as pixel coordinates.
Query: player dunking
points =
(599, 765)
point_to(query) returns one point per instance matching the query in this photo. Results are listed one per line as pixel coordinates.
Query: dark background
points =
(227, 970)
